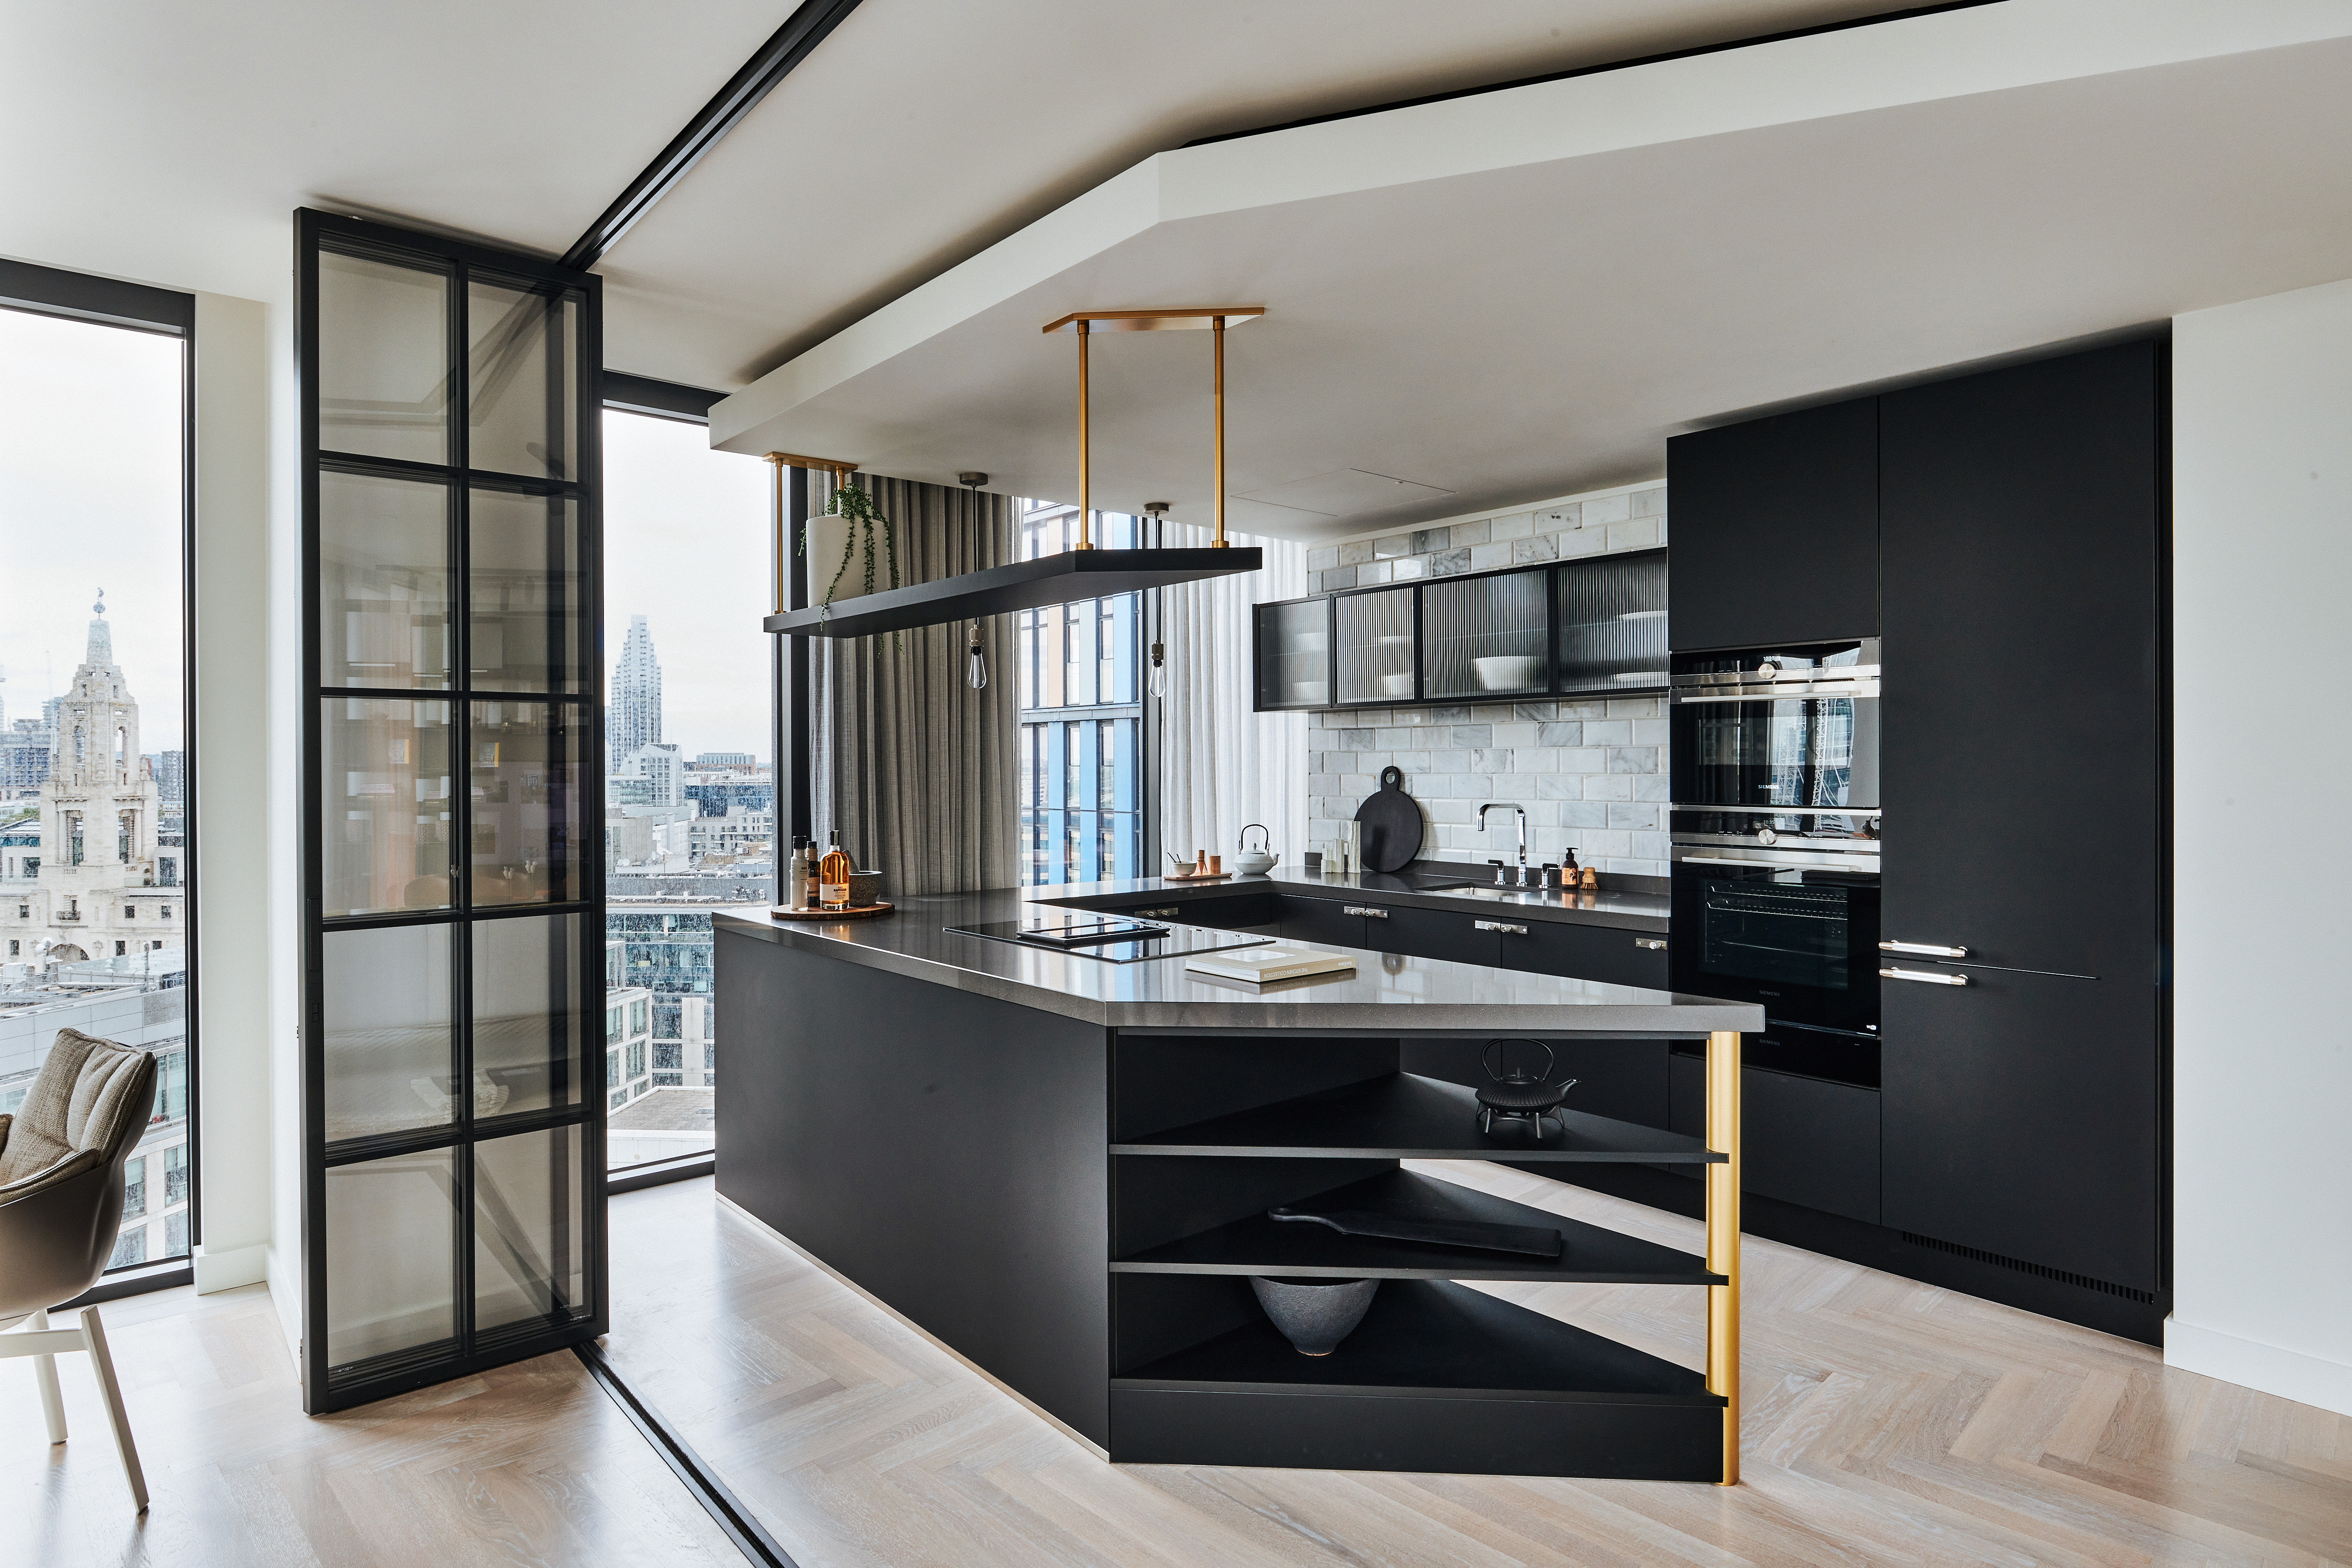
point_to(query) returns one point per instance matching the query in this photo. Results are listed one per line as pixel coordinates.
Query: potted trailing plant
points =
(856, 507)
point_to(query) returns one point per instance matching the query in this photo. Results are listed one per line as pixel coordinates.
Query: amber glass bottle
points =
(832, 873)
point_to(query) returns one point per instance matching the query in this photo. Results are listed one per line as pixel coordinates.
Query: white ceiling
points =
(920, 131)
(169, 142)
(1520, 295)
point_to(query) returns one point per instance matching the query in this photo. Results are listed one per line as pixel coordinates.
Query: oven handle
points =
(1819, 860)
(1778, 694)
(1924, 977)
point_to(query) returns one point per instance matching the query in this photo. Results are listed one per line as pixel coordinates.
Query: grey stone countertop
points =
(1416, 886)
(1387, 993)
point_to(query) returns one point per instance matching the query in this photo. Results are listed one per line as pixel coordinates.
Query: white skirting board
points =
(227, 1270)
(1002, 1388)
(2266, 1368)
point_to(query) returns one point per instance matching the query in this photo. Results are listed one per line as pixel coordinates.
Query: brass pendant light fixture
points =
(1214, 319)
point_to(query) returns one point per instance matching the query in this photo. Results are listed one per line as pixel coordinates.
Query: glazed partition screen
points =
(453, 962)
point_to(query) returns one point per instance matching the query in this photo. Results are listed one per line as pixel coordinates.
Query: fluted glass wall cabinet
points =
(1293, 655)
(1583, 628)
(453, 975)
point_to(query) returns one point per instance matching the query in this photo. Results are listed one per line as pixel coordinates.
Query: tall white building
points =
(101, 885)
(634, 720)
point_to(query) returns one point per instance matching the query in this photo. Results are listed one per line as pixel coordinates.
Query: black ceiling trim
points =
(803, 31)
(1905, 15)
(662, 400)
(55, 292)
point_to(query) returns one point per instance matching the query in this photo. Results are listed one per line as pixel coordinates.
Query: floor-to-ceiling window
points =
(94, 831)
(1081, 741)
(690, 786)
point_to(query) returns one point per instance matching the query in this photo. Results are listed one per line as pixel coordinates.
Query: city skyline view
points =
(90, 499)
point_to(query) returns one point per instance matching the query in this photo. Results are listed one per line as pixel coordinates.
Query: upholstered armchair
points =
(61, 1159)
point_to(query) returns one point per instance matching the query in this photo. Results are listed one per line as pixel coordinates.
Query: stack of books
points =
(1275, 961)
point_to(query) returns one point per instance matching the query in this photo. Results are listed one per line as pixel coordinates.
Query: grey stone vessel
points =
(1315, 1316)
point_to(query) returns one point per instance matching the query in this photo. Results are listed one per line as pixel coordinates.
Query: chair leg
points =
(102, 1362)
(44, 1373)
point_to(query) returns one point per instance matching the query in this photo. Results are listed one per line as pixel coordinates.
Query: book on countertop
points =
(1275, 961)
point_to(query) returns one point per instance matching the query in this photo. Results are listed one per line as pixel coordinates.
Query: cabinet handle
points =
(1652, 944)
(1924, 977)
(1923, 950)
(1504, 926)
(1366, 910)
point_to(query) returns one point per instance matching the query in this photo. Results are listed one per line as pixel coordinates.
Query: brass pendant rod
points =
(1086, 451)
(1217, 334)
(776, 467)
(1723, 1135)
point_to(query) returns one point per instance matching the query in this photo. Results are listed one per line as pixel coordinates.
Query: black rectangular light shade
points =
(1019, 585)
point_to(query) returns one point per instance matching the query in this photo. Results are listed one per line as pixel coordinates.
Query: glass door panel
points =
(1375, 631)
(1294, 651)
(1485, 637)
(527, 601)
(1612, 623)
(385, 585)
(529, 1241)
(529, 1032)
(521, 380)
(383, 371)
(385, 836)
(392, 1288)
(390, 1048)
(525, 804)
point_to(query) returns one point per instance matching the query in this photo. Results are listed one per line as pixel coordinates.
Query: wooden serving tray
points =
(1202, 876)
(854, 912)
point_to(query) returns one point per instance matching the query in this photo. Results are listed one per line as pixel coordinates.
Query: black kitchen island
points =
(1060, 1167)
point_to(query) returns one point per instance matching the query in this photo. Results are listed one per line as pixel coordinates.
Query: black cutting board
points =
(1391, 821)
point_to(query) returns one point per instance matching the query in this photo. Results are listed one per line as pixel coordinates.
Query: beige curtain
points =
(913, 766)
(1222, 765)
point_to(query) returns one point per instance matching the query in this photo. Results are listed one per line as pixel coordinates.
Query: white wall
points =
(2263, 1053)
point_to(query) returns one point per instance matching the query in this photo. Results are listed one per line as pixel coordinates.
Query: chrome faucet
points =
(1502, 879)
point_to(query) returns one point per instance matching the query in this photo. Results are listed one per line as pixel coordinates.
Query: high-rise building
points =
(25, 748)
(634, 718)
(172, 777)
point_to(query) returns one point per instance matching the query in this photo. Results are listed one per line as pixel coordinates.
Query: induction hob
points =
(1057, 933)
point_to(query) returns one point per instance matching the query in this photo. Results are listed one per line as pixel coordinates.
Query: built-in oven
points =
(1775, 828)
(1781, 730)
(1795, 932)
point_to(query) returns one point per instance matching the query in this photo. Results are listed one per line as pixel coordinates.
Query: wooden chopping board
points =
(1391, 821)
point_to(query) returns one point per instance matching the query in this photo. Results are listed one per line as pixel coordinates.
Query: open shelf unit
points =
(1210, 1131)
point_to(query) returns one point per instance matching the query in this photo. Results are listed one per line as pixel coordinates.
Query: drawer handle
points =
(1504, 926)
(1924, 977)
(1652, 944)
(1366, 910)
(1923, 950)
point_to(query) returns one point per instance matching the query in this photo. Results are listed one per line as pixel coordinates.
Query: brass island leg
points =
(1722, 1240)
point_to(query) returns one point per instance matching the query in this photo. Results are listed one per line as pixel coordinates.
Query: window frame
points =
(81, 296)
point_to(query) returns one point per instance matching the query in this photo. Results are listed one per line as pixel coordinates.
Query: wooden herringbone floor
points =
(1886, 1422)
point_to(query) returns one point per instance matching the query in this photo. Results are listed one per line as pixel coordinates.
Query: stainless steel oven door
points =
(1795, 932)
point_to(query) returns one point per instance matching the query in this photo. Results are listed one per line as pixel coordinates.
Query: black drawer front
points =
(1605, 953)
(1324, 920)
(1434, 933)
(1232, 913)
(1803, 1140)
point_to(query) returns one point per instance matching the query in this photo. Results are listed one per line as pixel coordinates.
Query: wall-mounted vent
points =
(2083, 1281)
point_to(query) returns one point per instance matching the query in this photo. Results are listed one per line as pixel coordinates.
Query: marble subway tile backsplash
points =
(1590, 772)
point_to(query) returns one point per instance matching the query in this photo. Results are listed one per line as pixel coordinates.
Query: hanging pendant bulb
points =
(1159, 681)
(976, 661)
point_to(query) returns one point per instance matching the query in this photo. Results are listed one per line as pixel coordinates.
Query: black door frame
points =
(468, 1352)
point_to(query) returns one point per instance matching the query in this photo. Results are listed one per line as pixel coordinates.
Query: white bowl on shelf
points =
(1397, 685)
(1308, 641)
(1307, 691)
(1508, 672)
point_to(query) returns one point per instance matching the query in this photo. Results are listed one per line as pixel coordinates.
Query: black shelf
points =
(1256, 1245)
(1019, 585)
(1433, 1338)
(1407, 1116)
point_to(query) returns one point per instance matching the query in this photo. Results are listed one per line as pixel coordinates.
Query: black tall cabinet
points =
(2005, 535)
(2023, 764)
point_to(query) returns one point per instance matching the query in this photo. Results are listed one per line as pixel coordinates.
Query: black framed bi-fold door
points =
(453, 1137)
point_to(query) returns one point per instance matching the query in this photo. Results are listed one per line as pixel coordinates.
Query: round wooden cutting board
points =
(1391, 821)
